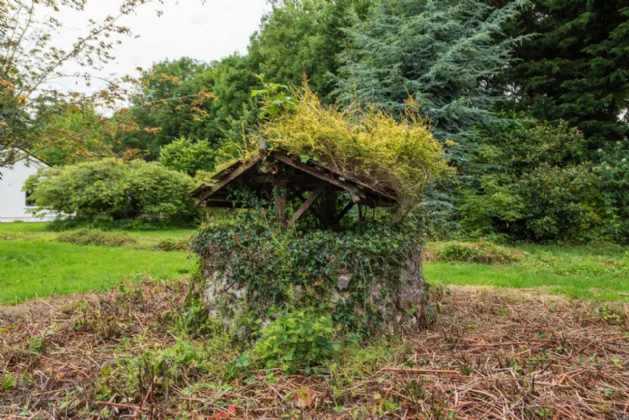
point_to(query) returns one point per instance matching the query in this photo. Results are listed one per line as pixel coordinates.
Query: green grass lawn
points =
(33, 263)
(42, 232)
(17, 227)
(609, 286)
(38, 268)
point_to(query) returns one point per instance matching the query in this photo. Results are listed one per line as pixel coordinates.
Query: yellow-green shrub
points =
(369, 145)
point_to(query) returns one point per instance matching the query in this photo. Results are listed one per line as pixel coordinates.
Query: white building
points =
(13, 201)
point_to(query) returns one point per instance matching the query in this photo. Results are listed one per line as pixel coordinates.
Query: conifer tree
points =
(444, 54)
(576, 66)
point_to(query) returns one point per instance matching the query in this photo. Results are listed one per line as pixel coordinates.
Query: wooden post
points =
(280, 193)
(327, 207)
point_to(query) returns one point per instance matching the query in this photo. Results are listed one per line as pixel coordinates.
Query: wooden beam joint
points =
(304, 207)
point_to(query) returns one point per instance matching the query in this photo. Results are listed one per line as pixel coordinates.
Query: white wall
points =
(12, 198)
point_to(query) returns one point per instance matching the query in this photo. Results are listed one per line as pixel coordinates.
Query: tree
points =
(188, 156)
(191, 99)
(74, 133)
(302, 37)
(29, 61)
(529, 181)
(174, 101)
(442, 53)
(576, 66)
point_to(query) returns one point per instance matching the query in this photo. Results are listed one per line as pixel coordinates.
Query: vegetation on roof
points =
(388, 154)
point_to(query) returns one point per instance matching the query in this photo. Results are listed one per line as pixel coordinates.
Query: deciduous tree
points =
(30, 60)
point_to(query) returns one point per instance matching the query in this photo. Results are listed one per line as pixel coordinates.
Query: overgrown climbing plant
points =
(353, 274)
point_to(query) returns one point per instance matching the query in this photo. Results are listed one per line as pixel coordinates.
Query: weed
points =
(616, 362)
(8, 381)
(237, 365)
(301, 339)
(96, 237)
(473, 252)
(173, 245)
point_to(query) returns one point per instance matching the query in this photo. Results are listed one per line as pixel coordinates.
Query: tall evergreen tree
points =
(441, 53)
(576, 66)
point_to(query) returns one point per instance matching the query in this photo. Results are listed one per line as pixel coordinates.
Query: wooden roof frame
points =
(319, 176)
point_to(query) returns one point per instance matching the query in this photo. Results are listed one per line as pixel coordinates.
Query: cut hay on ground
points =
(491, 354)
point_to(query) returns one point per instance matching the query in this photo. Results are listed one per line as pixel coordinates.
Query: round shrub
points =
(112, 189)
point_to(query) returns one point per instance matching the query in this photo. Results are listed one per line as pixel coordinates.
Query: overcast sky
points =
(205, 31)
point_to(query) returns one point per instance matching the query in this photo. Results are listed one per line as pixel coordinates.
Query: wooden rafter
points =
(306, 205)
(228, 179)
(311, 171)
(324, 169)
(297, 176)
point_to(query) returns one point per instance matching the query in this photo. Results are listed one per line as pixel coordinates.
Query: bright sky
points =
(205, 31)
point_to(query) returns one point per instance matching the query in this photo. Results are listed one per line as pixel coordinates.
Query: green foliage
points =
(75, 133)
(276, 99)
(238, 364)
(8, 381)
(612, 166)
(473, 252)
(96, 237)
(178, 99)
(368, 145)
(33, 65)
(162, 112)
(173, 245)
(574, 67)
(561, 203)
(302, 37)
(444, 55)
(558, 60)
(159, 367)
(527, 181)
(188, 156)
(114, 190)
(441, 53)
(296, 340)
